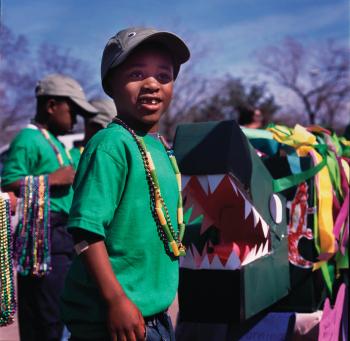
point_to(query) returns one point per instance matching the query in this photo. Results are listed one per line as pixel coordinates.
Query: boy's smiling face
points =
(142, 87)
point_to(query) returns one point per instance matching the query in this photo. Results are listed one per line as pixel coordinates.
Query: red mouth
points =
(244, 236)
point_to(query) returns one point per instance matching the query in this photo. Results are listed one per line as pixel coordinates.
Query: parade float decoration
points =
(236, 264)
(310, 167)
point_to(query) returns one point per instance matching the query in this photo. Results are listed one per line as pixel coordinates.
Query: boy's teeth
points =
(146, 101)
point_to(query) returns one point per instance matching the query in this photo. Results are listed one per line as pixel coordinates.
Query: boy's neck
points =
(45, 126)
(137, 126)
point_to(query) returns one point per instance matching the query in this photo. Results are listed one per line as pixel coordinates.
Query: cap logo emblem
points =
(131, 34)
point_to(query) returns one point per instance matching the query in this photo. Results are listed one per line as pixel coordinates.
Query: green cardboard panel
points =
(266, 280)
(213, 148)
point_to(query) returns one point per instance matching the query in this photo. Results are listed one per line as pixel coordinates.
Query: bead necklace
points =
(59, 157)
(7, 293)
(32, 236)
(158, 207)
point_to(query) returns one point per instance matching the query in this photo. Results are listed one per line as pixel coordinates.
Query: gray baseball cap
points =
(120, 46)
(106, 111)
(64, 86)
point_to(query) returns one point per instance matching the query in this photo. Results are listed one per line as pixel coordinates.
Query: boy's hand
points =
(125, 321)
(64, 176)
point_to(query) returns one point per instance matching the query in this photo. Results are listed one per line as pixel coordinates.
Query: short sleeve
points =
(19, 160)
(98, 187)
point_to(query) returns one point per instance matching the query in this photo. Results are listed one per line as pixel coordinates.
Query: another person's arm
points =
(63, 176)
(23, 156)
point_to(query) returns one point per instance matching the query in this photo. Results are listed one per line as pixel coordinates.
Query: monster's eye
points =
(276, 208)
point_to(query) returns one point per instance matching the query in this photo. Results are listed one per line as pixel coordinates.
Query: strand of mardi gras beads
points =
(32, 236)
(7, 293)
(58, 154)
(158, 206)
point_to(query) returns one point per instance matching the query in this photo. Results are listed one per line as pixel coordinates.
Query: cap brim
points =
(86, 109)
(178, 49)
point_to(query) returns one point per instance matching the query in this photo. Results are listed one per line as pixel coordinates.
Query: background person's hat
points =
(125, 41)
(106, 111)
(64, 86)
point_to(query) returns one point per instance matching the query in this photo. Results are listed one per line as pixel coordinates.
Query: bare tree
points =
(190, 88)
(21, 66)
(318, 76)
(223, 100)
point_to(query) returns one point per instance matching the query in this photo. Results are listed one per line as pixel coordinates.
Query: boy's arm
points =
(20, 161)
(124, 320)
(63, 176)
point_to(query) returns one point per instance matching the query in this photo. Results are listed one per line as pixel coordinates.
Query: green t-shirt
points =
(111, 199)
(75, 154)
(31, 154)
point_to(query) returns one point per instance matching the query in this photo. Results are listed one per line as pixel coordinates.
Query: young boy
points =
(39, 170)
(126, 215)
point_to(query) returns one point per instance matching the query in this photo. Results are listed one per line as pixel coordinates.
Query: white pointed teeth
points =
(265, 227)
(256, 216)
(207, 182)
(266, 249)
(216, 263)
(193, 260)
(260, 251)
(247, 208)
(205, 263)
(256, 253)
(188, 262)
(234, 186)
(203, 180)
(250, 256)
(233, 262)
(276, 208)
(214, 181)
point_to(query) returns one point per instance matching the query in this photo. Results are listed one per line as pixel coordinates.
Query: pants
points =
(158, 328)
(39, 297)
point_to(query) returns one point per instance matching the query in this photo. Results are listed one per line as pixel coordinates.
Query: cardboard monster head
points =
(237, 254)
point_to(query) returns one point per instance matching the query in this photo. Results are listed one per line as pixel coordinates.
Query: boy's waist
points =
(58, 218)
(153, 318)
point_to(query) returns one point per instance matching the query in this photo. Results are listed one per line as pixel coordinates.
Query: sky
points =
(228, 33)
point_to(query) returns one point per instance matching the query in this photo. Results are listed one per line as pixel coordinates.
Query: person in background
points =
(250, 118)
(40, 171)
(105, 112)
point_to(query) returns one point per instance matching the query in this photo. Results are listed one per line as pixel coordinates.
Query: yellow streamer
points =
(324, 206)
(304, 141)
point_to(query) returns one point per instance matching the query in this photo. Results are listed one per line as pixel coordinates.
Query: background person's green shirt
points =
(111, 199)
(75, 154)
(31, 154)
